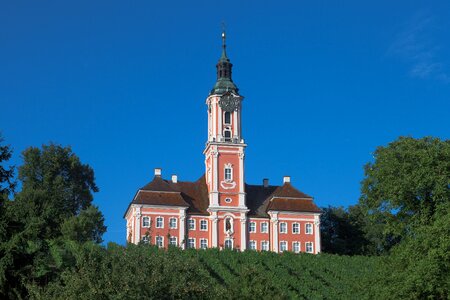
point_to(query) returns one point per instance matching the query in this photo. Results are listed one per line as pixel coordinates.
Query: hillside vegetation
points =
(143, 272)
(51, 235)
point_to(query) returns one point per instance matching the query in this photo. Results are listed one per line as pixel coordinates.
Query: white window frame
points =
(228, 200)
(254, 243)
(309, 244)
(143, 222)
(252, 229)
(227, 167)
(170, 223)
(205, 222)
(228, 240)
(173, 238)
(193, 239)
(193, 223)
(203, 240)
(162, 222)
(286, 227)
(162, 241)
(293, 226)
(283, 243)
(267, 227)
(310, 225)
(263, 244)
(225, 224)
(299, 247)
(145, 239)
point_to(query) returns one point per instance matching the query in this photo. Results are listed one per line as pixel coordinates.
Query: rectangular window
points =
(283, 246)
(160, 241)
(145, 222)
(283, 227)
(227, 118)
(191, 243)
(173, 241)
(264, 227)
(252, 227)
(295, 228)
(173, 223)
(309, 247)
(159, 222)
(228, 176)
(228, 244)
(191, 224)
(252, 245)
(145, 239)
(203, 225)
(203, 243)
(308, 228)
(265, 246)
(296, 247)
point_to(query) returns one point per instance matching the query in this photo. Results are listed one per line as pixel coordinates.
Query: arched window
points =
(227, 118)
(228, 173)
(228, 225)
(227, 134)
(228, 244)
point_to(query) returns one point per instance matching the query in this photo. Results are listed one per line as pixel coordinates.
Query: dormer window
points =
(227, 118)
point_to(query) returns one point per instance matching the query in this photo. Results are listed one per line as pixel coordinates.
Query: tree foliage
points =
(55, 198)
(406, 186)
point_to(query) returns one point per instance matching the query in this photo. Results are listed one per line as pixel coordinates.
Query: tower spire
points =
(224, 82)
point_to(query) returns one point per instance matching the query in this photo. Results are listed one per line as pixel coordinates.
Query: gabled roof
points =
(194, 196)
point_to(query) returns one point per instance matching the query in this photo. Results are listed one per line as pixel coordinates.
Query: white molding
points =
(299, 228)
(156, 241)
(243, 231)
(182, 231)
(286, 243)
(200, 225)
(156, 222)
(260, 227)
(312, 228)
(152, 213)
(306, 247)
(287, 230)
(195, 243)
(188, 225)
(228, 209)
(167, 207)
(317, 234)
(293, 212)
(149, 221)
(256, 244)
(200, 244)
(299, 246)
(268, 245)
(249, 227)
(214, 225)
(176, 223)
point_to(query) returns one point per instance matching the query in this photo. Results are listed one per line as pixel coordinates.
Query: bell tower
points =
(224, 152)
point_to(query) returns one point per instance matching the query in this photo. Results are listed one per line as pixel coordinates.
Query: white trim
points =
(306, 213)
(200, 221)
(189, 225)
(295, 219)
(182, 231)
(295, 223)
(226, 167)
(203, 239)
(224, 119)
(228, 200)
(149, 221)
(306, 228)
(312, 247)
(286, 224)
(225, 243)
(195, 243)
(156, 222)
(225, 224)
(162, 241)
(176, 240)
(250, 227)
(267, 244)
(299, 246)
(249, 245)
(176, 223)
(284, 243)
(261, 228)
(317, 234)
(147, 239)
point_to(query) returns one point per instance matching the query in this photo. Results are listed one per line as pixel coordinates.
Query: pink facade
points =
(219, 209)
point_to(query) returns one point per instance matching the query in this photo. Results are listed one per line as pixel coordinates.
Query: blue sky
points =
(124, 83)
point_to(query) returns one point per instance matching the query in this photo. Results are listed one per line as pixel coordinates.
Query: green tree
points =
(7, 183)
(56, 197)
(405, 187)
(342, 231)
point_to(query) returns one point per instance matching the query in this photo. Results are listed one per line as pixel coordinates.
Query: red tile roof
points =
(194, 195)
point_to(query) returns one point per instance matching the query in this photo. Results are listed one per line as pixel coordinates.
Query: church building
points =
(220, 209)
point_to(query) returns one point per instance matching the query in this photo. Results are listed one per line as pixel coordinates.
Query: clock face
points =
(229, 103)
